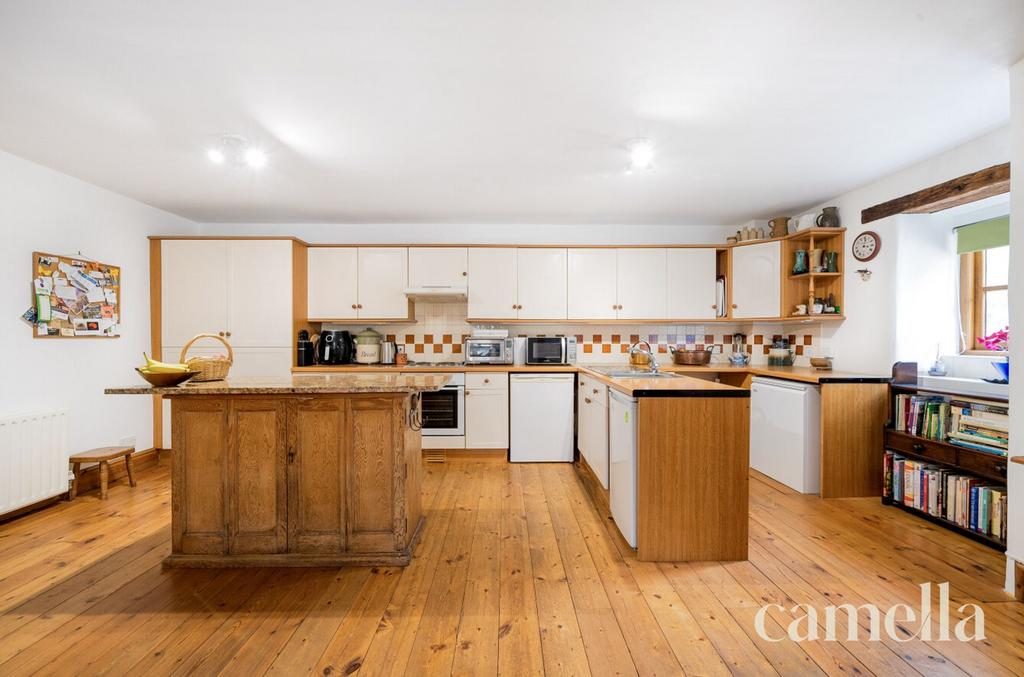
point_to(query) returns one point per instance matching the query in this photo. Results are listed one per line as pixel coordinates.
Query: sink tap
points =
(635, 348)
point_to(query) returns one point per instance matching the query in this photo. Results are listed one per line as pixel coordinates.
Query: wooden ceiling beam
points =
(961, 190)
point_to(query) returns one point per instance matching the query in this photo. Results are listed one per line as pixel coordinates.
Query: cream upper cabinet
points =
(383, 277)
(692, 283)
(194, 289)
(259, 293)
(756, 284)
(641, 283)
(240, 289)
(542, 283)
(591, 284)
(438, 266)
(492, 283)
(333, 283)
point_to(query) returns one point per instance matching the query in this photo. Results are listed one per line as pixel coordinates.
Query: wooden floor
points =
(516, 573)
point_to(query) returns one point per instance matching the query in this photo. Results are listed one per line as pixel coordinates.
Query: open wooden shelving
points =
(808, 276)
(803, 288)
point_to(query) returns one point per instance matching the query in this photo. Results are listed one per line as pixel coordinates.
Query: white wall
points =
(926, 286)
(435, 233)
(867, 340)
(44, 210)
(1015, 546)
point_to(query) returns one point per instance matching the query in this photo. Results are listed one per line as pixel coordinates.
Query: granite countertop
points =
(298, 384)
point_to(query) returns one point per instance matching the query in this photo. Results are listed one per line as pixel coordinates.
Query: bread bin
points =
(368, 346)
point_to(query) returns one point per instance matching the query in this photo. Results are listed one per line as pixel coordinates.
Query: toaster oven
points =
(487, 350)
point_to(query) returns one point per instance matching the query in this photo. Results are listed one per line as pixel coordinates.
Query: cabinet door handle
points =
(595, 391)
(463, 273)
(587, 400)
(487, 380)
(220, 333)
(714, 306)
(735, 306)
(1000, 468)
(227, 333)
(359, 305)
(918, 447)
(353, 306)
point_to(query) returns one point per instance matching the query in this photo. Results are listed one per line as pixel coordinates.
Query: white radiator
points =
(33, 458)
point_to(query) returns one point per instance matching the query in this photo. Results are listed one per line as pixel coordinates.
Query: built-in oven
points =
(487, 350)
(551, 350)
(443, 412)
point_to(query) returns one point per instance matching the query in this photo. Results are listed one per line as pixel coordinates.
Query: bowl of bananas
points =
(164, 374)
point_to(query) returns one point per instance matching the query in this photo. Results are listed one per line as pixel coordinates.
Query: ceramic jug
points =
(828, 218)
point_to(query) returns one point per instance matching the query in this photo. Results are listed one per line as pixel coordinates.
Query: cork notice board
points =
(74, 297)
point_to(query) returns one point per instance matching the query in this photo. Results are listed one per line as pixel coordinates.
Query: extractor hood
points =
(436, 294)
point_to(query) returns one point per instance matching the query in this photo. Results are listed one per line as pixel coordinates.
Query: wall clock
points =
(866, 245)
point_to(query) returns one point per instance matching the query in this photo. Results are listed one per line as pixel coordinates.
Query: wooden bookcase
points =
(989, 467)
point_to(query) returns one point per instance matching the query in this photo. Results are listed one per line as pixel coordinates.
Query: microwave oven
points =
(551, 350)
(478, 350)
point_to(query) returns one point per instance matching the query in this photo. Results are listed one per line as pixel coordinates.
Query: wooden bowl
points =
(822, 363)
(166, 380)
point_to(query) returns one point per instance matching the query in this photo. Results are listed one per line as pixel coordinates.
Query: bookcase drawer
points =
(982, 463)
(919, 446)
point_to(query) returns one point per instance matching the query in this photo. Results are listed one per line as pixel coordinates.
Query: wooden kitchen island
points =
(310, 470)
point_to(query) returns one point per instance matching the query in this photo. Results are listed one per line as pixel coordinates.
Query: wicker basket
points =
(209, 368)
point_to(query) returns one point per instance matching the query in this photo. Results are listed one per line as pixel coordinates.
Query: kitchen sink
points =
(630, 373)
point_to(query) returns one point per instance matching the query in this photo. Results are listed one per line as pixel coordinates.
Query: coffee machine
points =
(334, 347)
(305, 353)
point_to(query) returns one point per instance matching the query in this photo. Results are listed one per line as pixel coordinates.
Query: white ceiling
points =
(501, 112)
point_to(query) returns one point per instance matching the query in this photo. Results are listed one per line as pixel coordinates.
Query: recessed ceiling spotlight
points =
(255, 158)
(237, 152)
(641, 154)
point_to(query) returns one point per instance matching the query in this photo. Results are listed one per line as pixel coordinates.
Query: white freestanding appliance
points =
(785, 433)
(541, 417)
(622, 463)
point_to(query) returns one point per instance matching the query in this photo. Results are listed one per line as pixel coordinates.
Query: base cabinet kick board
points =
(294, 480)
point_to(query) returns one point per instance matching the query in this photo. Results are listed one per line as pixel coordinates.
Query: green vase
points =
(800, 262)
(831, 262)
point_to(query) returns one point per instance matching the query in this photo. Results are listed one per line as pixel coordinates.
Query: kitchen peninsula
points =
(309, 470)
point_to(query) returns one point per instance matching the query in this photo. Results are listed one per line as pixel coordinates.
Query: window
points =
(984, 305)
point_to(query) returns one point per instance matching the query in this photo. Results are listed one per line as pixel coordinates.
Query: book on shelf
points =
(967, 423)
(969, 502)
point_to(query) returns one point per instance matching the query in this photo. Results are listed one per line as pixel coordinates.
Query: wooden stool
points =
(102, 455)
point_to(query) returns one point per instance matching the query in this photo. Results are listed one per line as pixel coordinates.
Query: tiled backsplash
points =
(440, 329)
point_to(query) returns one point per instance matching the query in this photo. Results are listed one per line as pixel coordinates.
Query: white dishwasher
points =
(541, 417)
(622, 463)
(785, 433)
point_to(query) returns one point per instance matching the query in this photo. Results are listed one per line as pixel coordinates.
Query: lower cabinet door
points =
(199, 520)
(317, 432)
(257, 476)
(487, 419)
(375, 440)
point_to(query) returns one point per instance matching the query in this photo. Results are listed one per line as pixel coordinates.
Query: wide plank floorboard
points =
(516, 573)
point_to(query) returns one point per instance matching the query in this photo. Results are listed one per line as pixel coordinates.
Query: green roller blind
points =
(983, 235)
